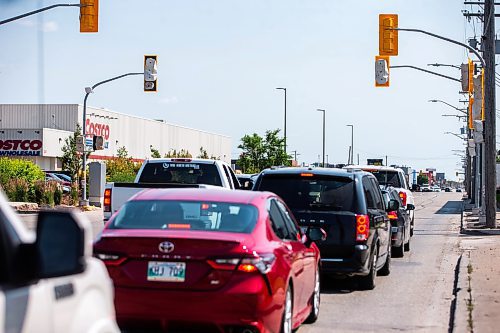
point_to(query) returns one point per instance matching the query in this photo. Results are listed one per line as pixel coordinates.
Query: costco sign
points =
(20, 147)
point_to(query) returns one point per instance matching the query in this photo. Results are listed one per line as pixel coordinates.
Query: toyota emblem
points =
(166, 247)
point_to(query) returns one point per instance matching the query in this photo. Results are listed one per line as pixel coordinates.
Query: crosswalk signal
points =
(388, 38)
(98, 142)
(89, 15)
(381, 71)
(150, 73)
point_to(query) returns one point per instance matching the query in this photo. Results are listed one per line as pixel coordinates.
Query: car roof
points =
(202, 194)
(373, 167)
(184, 160)
(315, 171)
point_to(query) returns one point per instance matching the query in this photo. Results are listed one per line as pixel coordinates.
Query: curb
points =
(461, 324)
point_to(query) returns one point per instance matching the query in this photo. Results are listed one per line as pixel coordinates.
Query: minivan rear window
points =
(181, 173)
(186, 216)
(317, 192)
(388, 178)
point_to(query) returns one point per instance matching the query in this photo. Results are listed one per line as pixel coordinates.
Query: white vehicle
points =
(170, 173)
(51, 283)
(436, 188)
(395, 177)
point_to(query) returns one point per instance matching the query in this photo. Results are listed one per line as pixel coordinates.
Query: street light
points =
(443, 65)
(284, 127)
(321, 110)
(455, 134)
(440, 101)
(88, 91)
(453, 115)
(352, 143)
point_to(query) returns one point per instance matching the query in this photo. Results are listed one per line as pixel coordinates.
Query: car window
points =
(180, 172)
(312, 192)
(278, 222)
(290, 223)
(388, 178)
(186, 215)
(367, 188)
(377, 195)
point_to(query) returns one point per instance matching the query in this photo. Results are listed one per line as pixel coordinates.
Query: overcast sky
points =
(221, 60)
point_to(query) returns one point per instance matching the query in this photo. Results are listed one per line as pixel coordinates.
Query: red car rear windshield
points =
(186, 215)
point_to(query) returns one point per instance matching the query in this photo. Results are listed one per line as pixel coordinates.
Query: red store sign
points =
(96, 129)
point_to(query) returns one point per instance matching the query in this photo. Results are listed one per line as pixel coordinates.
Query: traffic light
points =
(89, 15)
(471, 76)
(388, 38)
(150, 73)
(98, 142)
(381, 71)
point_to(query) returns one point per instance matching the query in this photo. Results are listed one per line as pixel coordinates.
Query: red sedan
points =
(211, 260)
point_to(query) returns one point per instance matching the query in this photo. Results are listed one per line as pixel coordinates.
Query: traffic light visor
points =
(388, 38)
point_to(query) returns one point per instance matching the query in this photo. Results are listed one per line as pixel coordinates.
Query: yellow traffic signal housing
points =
(89, 15)
(388, 38)
(382, 71)
(471, 76)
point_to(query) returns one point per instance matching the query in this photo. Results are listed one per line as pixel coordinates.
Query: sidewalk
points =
(478, 287)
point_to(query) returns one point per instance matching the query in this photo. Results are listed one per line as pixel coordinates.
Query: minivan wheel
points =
(315, 300)
(386, 269)
(286, 321)
(368, 282)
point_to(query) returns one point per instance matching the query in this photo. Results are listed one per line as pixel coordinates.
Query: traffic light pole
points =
(426, 71)
(84, 201)
(489, 133)
(39, 11)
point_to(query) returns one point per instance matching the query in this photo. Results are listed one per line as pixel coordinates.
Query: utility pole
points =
(489, 113)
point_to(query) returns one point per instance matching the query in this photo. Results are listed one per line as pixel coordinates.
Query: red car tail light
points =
(402, 195)
(107, 200)
(224, 264)
(392, 215)
(111, 259)
(362, 227)
(262, 263)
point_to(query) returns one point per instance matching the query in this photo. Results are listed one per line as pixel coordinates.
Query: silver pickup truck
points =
(170, 173)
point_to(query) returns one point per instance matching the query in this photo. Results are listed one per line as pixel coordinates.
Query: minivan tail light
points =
(392, 215)
(107, 200)
(402, 195)
(362, 227)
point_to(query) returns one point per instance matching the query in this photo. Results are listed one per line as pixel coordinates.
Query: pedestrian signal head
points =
(381, 71)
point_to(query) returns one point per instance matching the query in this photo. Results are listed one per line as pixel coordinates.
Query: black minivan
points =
(349, 206)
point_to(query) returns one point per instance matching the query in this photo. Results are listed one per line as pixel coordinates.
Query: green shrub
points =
(74, 193)
(17, 190)
(11, 168)
(48, 194)
(38, 190)
(58, 196)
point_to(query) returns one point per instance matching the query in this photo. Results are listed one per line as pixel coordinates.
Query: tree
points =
(262, 152)
(181, 153)
(121, 168)
(155, 153)
(422, 179)
(71, 159)
(204, 154)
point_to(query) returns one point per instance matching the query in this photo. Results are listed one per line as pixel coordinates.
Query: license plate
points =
(166, 271)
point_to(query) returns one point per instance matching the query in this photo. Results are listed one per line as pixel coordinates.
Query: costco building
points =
(38, 131)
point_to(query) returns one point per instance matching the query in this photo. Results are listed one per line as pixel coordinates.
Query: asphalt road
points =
(417, 295)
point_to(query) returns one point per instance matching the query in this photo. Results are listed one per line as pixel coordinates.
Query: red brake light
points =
(362, 227)
(111, 259)
(247, 268)
(181, 160)
(260, 263)
(179, 226)
(402, 195)
(392, 215)
(107, 200)
(304, 174)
